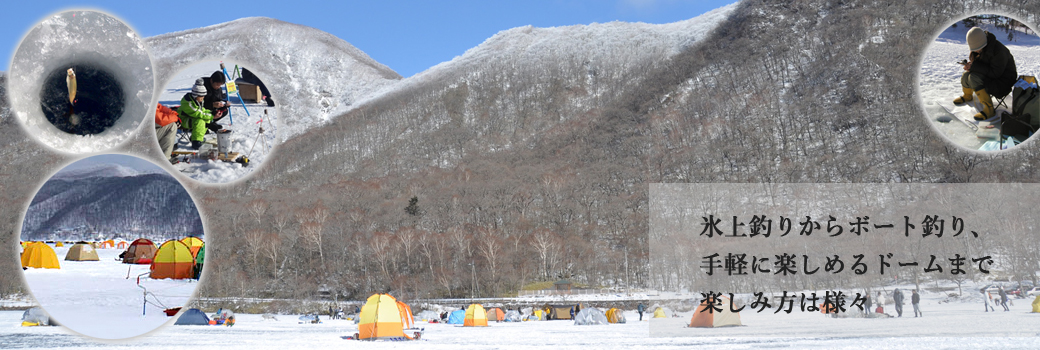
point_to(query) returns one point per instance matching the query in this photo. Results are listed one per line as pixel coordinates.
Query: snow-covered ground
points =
(253, 332)
(96, 298)
(940, 74)
(245, 137)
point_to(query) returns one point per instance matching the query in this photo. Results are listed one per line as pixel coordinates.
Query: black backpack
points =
(1025, 108)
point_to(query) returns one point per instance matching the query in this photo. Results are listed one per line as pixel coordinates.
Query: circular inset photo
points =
(80, 82)
(215, 121)
(978, 82)
(112, 246)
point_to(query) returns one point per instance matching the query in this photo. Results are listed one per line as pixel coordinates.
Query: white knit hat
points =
(976, 39)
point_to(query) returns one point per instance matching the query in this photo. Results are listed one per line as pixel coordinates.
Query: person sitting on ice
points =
(990, 70)
(194, 117)
(216, 99)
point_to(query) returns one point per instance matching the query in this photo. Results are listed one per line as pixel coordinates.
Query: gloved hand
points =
(214, 126)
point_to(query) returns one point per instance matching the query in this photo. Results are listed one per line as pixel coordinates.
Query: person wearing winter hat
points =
(216, 99)
(990, 70)
(194, 116)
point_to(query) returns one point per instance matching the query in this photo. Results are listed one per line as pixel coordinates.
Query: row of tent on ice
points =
(173, 259)
(719, 316)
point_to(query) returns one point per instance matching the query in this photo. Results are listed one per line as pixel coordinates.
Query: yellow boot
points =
(987, 105)
(965, 98)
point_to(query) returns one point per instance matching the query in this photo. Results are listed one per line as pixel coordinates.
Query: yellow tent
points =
(475, 316)
(58, 244)
(659, 313)
(1036, 304)
(537, 315)
(40, 255)
(615, 316)
(381, 318)
(193, 243)
(173, 260)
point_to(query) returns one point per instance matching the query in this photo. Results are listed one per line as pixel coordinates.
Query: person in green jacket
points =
(193, 115)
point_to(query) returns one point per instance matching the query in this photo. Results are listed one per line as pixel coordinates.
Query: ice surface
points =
(75, 38)
(96, 298)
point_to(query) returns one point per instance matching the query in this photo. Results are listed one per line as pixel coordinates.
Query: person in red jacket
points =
(166, 124)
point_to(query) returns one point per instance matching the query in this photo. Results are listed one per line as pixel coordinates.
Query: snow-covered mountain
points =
(112, 200)
(98, 170)
(312, 74)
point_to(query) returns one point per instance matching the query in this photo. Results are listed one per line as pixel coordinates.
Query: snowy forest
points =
(483, 175)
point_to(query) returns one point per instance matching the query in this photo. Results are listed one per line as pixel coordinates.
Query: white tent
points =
(590, 316)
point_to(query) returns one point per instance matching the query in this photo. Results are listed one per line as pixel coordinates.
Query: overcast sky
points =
(409, 36)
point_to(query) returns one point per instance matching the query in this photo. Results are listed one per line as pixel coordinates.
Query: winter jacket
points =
(214, 95)
(164, 116)
(898, 297)
(916, 298)
(194, 117)
(997, 66)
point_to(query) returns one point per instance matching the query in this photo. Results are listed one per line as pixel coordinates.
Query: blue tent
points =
(457, 317)
(193, 317)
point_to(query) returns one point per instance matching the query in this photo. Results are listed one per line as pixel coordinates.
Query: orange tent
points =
(173, 260)
(40, 255)
(107, 244)
(475, 316)
(407, 319)
(193, 243)
(141, 251)
(495, 314)
(381, 317)
(702, 317)
(122, 245)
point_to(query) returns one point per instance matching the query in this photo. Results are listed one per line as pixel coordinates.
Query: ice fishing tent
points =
(193, 243)
(40, 255)
(660, 313)
(122, 245)
(457, 317)
(615, 316)
(704, 317)
(81, 252)
(475, 316)
(381, 318)
(59, 244)
(35, 317)
(109, 244)
(173, 260)
(1036, 304)
(200, 259)
(590, 316)
(561, 312)
(141, 251)
(193, 317)
(512, 316)
(495, 314)
(407, 319)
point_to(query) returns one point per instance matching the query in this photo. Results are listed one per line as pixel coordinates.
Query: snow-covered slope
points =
(312, 74)
(100, 170)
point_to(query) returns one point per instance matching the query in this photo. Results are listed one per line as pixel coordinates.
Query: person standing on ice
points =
(867, 304)
(990, 70)
(880, 303)
(897, 296)
(641, 308)
(1003, 298)
(986, 300)
(194, 116)
(915, 299)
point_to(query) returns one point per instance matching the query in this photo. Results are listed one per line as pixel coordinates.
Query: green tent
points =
(200, 258)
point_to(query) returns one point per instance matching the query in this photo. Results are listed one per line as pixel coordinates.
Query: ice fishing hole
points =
(98, 105)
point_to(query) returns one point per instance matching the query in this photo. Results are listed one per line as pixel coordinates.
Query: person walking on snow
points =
(880, 303)
(1003, 298)
(897, 296)
(990, 70)
(915, 299)
(867, 304)
(641, 308)
(986, 300)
